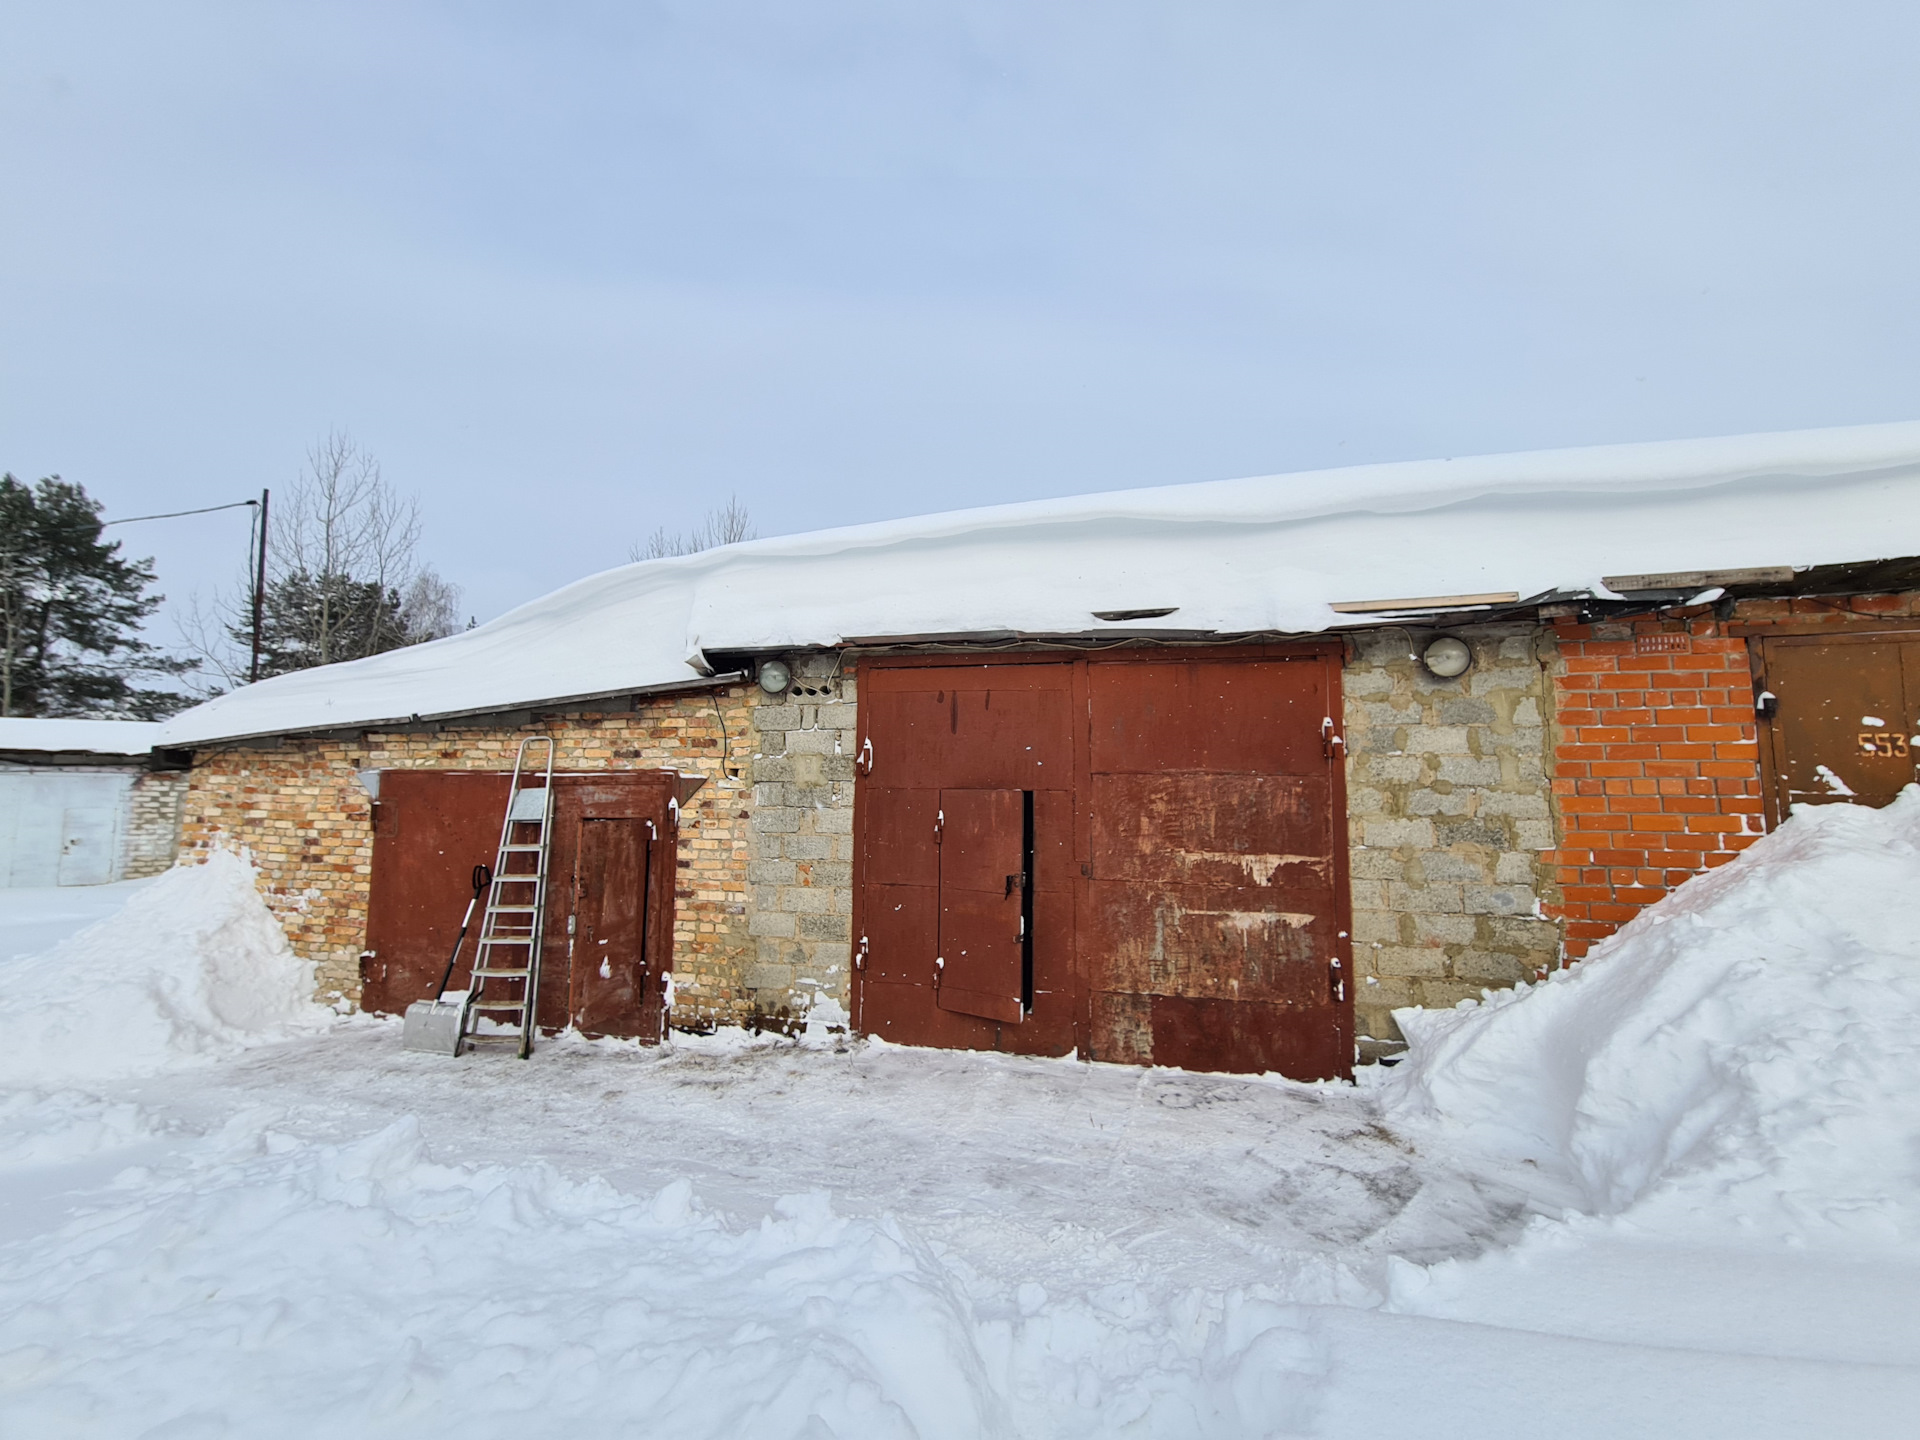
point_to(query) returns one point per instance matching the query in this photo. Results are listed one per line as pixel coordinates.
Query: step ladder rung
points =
(511, 909)
(515, 850)
(490, 974)
(496, 1005)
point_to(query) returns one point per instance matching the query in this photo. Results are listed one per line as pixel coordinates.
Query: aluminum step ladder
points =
(506, 967)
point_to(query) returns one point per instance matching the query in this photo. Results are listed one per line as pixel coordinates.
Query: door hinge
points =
(1330, 743)
(863, 762)
(1337, 979)
(860, 955)
(939, 825)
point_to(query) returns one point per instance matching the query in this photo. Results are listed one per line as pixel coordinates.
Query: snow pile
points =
(193, 967)
(274, 1284)
(1746, 1050)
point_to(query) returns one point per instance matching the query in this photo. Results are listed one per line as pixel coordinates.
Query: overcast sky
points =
(573, 271)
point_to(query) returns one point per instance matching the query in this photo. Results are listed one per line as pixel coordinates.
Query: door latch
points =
(1016, 881)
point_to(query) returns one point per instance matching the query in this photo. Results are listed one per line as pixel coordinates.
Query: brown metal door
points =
(985, 895)
(1845, 715)
(1213, 926)
(613, 872)
(430, 828)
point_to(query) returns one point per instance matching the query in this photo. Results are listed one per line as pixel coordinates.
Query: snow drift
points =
(193, 967)
(1748, 1050)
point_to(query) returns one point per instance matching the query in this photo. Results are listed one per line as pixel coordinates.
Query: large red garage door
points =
(1142, 857)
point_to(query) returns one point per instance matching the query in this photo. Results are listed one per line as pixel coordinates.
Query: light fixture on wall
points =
(1447, 657)
(775, 677)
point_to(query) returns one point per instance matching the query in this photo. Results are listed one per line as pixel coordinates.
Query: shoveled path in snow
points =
(1038, 1171)
(1124, 1251)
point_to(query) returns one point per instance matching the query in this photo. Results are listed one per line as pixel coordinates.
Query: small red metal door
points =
(984, 902)
(613, 873)
(430, 828)
(933, 733)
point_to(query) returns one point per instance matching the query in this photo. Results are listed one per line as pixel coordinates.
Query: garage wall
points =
(298, 807)
(1449, 820)
(152, 840)
(1659, 770)
(801, 871)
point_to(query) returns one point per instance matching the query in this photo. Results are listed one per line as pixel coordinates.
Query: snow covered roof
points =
(93, 737)
(1267, 555)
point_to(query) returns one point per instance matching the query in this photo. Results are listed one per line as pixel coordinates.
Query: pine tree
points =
(309, 620)
(70, 611)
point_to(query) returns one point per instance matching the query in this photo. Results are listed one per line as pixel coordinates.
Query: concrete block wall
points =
(154, 809)
(298, 808)
(1450, 821)
(801, 870)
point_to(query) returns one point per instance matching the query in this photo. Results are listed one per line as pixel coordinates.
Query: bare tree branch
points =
(725, 525)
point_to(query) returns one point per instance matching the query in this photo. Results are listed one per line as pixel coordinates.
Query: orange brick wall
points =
(1656, 766)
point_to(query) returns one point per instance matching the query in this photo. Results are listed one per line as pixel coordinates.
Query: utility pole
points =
(259, 588)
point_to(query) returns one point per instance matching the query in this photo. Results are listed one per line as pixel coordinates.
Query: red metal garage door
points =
(607, 942)
(1217, 885)
(1140, 856)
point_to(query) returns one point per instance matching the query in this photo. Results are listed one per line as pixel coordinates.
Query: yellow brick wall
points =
(298, 808)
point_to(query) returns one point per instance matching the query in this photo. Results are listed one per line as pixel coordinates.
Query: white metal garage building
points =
(82, 803)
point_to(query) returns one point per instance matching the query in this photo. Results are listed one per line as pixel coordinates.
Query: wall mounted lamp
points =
(1447, 657)
(775, 676)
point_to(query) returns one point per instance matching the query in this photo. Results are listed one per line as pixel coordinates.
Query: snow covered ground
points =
(1673, 1191)
(37, 919)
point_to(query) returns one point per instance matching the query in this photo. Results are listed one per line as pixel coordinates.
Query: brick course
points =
(1656, 770)
(152, 839)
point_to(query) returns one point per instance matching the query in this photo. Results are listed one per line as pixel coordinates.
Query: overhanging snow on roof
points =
(1259, 556)
(78, 737)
